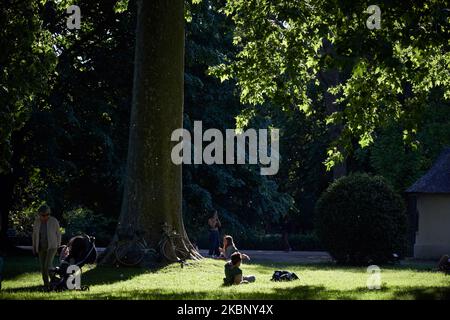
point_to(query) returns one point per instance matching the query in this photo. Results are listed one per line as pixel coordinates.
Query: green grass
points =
(203, 280)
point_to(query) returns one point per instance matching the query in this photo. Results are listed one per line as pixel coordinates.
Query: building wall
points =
(433, 235)
(411, 209)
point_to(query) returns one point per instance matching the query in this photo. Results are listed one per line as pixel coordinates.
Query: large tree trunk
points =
(153, 187)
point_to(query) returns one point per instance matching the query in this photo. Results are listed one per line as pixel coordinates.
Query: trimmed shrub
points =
(361, 220)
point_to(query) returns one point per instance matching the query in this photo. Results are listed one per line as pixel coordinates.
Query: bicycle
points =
(131, 252)
(172, 246)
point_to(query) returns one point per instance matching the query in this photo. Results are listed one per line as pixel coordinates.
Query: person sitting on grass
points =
(229, 248)
(444, 264)
(233, 274)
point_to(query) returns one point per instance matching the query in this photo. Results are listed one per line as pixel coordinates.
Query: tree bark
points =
(153, 184)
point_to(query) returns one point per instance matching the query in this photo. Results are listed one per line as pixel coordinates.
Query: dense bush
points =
(360, 219)
(300, 242)
(22, 221)
(84, 221)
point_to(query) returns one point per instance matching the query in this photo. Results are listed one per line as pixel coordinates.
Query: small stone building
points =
(432, 209)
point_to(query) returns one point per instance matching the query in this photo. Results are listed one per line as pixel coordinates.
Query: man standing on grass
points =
(46, 240)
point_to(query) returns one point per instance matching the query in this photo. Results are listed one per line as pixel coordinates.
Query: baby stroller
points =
(79, 251)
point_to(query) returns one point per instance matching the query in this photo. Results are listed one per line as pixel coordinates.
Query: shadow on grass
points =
(298, 293)
(29, 289)
(103, 275)
(98, 275)
(15, 266)
(422, 293)
(292, 293)
(95, 276)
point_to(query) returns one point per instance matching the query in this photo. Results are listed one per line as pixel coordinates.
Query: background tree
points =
(153, 183)
(26, 63)
(74, 153)
(249, 204)
(384, 74)
(76, 138)
(69, 148)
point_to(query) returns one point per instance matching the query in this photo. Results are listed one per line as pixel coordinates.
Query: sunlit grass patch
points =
(203, 280)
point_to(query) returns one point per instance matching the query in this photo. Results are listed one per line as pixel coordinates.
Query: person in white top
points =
(46, 240)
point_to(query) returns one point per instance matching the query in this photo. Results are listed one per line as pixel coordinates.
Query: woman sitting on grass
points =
(233, 274)
(229, 248)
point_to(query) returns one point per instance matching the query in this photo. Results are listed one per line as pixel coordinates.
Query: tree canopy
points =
(385, 74)
(374, 99)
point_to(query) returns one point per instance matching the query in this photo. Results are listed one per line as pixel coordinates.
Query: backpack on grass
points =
(283, 275)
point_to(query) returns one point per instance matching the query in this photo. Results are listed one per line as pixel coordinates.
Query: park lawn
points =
(203, 280)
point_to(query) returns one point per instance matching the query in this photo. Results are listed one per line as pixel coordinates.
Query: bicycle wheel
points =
(152, 255)
(130, 253)
(181, 251)
(168, 251)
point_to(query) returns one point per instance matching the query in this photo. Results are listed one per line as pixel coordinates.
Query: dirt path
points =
(301, 257)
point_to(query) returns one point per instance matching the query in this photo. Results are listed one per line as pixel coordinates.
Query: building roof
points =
(437, 179)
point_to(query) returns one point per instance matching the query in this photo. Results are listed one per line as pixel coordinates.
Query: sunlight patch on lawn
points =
(203, 280)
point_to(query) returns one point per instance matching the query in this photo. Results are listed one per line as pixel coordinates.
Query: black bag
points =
(284, 275)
